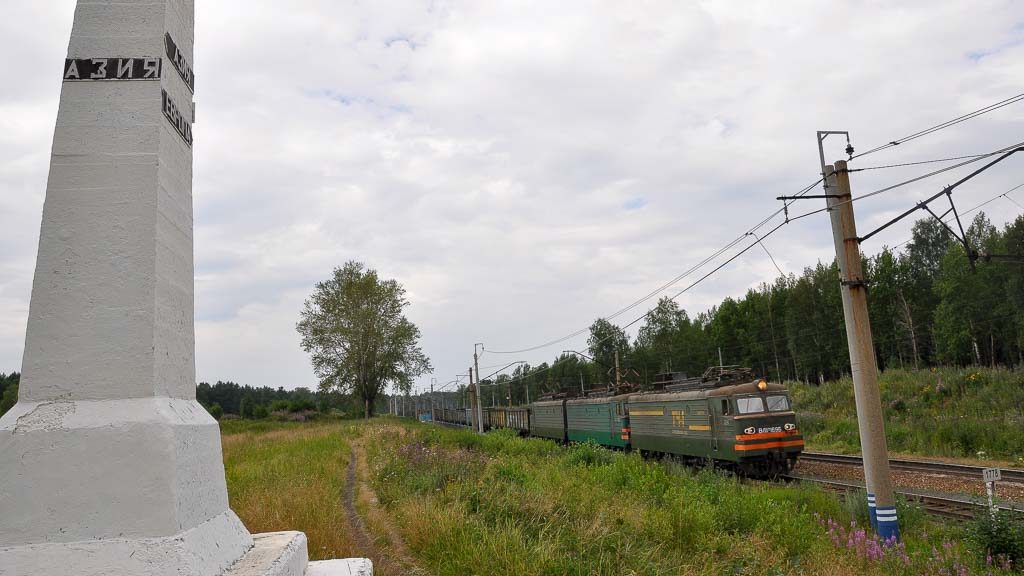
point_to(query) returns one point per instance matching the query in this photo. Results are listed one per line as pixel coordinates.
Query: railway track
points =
(956, 508)
(932, 467)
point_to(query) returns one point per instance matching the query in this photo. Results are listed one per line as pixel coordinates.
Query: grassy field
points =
(290, 476)
(498, 504)
(975, 413)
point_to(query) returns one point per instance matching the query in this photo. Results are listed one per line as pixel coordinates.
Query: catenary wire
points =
(910, 181)
(917, 163)
(943, 125)
(908, 138)
(759, 241)
(731, 259)
(1007, 196)
(668, 284)
(673, 297)
(765, 341)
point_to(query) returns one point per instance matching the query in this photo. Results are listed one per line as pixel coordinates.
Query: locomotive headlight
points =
(762, 385)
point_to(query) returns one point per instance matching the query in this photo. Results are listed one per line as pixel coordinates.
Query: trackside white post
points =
(991, 476)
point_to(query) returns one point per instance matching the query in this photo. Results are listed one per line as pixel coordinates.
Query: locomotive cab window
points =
(751, 405)
(778, 404)
(725, 408)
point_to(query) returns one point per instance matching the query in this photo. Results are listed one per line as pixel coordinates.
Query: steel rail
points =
(949, 469)
(943, 506)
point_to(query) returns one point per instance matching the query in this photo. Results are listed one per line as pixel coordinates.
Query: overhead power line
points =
(751, 231)
(785, 210)
(915, 179)
(759, 241)
(943, 125)
(673, 297)
(1007, 196)
(918, 163)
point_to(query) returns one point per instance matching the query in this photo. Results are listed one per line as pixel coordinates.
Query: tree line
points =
(8, 391)
(231, 398)
(255, 403)
(929, 305)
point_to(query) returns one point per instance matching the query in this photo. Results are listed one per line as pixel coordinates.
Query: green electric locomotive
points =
(749, 425)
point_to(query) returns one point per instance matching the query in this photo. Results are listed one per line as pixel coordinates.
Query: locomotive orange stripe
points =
(767, 445)
(766, 435)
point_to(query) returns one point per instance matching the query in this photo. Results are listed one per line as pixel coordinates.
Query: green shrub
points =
(280, 406)
(1001, 535)
(9, 398)
(245, 407)
(588, 454)
(216, 411)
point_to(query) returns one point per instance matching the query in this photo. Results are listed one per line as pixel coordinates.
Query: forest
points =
(256, 403)
(930, 305)
(232, 398)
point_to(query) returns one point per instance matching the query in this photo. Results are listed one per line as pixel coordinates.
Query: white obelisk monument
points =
(108, 465)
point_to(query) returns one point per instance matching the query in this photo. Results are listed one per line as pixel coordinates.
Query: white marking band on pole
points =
(886, 514)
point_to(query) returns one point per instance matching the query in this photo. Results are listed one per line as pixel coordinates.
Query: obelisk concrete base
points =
(87, 490)
(347, 567)
(284, 554)
(100, 487)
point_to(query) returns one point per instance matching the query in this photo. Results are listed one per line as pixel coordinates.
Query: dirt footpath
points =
(380, 541)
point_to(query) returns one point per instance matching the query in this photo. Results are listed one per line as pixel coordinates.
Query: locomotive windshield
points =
(756, 404)
(751, 405)
(778, 404)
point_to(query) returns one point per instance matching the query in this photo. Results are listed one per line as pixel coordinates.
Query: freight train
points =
(725, 417)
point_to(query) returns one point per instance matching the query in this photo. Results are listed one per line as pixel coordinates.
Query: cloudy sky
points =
(522, 168)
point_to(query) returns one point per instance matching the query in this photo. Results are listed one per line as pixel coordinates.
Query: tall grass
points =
(285, 476)
(499, 504)
(970, 412)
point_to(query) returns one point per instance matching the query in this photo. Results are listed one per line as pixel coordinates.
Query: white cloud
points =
(521, 168)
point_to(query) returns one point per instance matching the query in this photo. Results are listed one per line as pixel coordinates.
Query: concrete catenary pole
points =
(471, 397)
(432, 382)
(881, 501)
(474, 401)
(479, 397)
